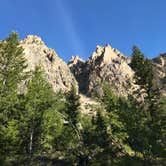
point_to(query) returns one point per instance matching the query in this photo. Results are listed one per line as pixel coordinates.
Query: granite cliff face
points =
(160, 73)
(55, 69)
(109, 66)
(106, 65)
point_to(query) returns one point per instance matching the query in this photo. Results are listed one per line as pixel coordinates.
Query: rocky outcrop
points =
(160, 73)
(109, 66)
(81, 72)
(88, 105)
(55, 69)
(106, 65)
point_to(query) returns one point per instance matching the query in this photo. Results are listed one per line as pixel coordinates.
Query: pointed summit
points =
(99, 50)
(106, 55)
(105, 65)
(109, 54)
(75, 60)
(33, 39)
(55, 69)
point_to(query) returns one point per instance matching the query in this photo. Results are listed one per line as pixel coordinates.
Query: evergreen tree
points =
(66, 139)
(72, 116)
(101, 131)
(143, 69)
(153, 126)
(158, 126)
(137, 63)
(109, 99)
(115, 107)
(52, 128)
(38, 99)
(101, 140)
(72, 106)
(12, 64)
(96, 141)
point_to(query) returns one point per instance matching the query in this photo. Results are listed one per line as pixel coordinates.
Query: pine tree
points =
(109, 99)
(12, 65)
(52, 128)
(158, 125)
(97, 141)
(38, 99)
(72, 106)
(115, 106)
(151, 122)
(143, 69)
(102, 136)
(137, 64)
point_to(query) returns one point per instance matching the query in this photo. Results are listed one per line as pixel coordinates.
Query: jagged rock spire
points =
(105, 65)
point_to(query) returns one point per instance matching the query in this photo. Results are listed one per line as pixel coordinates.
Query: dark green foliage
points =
(39, 98)
(12, 65)
(143, 69)
(109, 99)
(158, 126)
(115, 106)
(151, 115)
(72, 106)
(101, 131)
(137, 128)
(52, 128)
(105, 138)
(137, 63)
(96, 141)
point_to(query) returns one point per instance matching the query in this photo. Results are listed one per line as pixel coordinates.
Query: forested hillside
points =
(41, 127)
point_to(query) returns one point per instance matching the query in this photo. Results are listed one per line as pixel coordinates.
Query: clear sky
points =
(75, 27)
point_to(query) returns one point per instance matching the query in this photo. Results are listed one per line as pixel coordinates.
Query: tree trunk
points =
(31, 142)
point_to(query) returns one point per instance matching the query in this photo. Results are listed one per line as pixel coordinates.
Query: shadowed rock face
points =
(106, 65)
(55, 69)
(81, 72)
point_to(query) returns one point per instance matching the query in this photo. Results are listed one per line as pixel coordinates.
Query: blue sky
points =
(75, 27)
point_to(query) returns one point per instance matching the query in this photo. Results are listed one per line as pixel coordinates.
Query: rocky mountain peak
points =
(32, 39)
(99, 50)
(107, 55)
(105, 65)
(75, 60)
(160, 60)
(56, 71)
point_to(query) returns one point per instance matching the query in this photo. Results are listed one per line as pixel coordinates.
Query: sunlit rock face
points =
(55, 69)
(109, 66)
(160, 73)
(106, 65)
